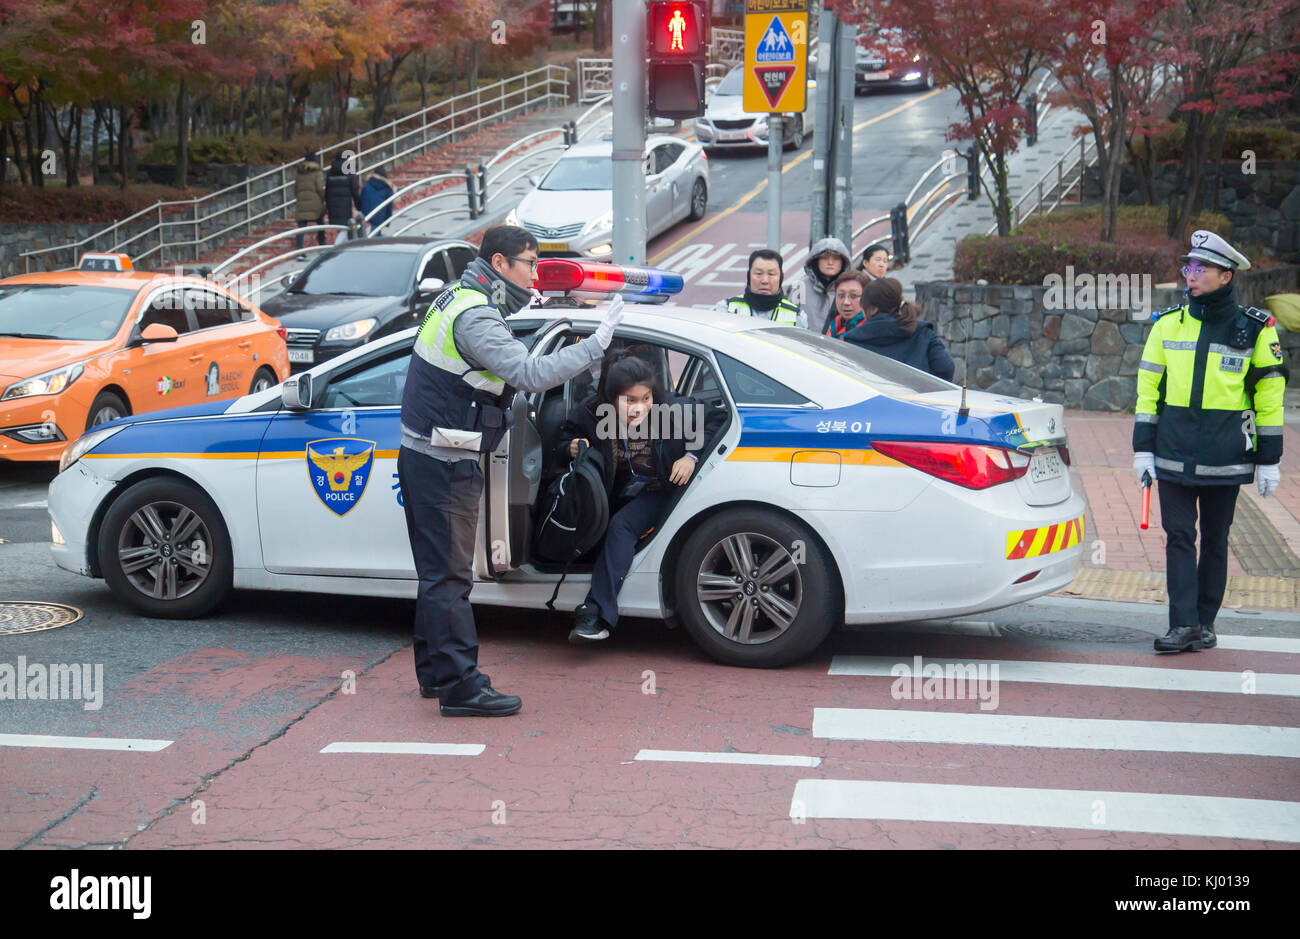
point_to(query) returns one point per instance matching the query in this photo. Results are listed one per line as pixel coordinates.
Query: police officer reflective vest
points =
(445, 401)
(785, 311)
(1209, 395)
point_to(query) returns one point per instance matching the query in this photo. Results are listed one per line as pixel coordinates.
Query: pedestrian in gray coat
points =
(813, 290)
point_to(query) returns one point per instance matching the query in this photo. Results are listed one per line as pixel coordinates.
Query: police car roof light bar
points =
(562, 275)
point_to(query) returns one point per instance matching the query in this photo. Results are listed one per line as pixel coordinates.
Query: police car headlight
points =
(47, 383)
(349, 332)
(84, 445)
(599, 222)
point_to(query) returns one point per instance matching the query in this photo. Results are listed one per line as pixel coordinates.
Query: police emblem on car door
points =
(339, 468)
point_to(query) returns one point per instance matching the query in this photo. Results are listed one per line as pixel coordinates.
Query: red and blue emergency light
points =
(564, 275)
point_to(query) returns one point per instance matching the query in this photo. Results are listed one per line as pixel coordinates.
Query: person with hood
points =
(309, 197)
(645, 459)
(814, 290)
(455, 408)
(894, 328)
(848, 313)
(342, 192)
(875, 262)
(376, 190)
(763, 296)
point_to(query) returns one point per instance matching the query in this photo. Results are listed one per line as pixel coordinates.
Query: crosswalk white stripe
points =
(1164, 814)
(1070, 673)
(1012, 730)
(83, 743)
(1260, 643)
(427, 749)
(746, 759)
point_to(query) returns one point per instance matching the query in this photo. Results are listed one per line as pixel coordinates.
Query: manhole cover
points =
(1077, 632)
(22, 616)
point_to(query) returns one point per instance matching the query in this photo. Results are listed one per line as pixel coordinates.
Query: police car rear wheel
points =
(164, 550)
(264, 379)
(755, 589)
(106, 407)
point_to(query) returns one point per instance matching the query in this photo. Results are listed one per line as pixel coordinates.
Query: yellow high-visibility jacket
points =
(1209, 394)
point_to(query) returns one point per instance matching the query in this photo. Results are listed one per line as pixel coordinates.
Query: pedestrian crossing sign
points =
(776, 53)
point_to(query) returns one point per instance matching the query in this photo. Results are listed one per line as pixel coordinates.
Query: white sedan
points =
(843, 487)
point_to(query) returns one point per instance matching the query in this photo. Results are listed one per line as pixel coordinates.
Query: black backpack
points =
(573, 514)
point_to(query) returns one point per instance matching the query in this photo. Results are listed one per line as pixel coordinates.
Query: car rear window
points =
(881, 372)
(63, 311)
(361, 272)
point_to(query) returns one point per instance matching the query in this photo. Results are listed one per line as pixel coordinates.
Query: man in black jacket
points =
(342, 191)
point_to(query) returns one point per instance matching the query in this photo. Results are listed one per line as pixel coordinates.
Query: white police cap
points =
(1210, 248)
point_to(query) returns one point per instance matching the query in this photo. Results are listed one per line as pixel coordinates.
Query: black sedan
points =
(362, 290)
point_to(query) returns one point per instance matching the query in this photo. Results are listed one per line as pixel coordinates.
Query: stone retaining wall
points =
(1005, 341)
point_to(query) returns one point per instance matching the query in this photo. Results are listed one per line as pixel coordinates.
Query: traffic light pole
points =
(841, 173)
(629, 132)
(825, 110)
(775, 148)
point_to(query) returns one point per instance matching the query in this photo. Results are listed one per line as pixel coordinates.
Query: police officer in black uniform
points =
(455, 407)
(1208, 419)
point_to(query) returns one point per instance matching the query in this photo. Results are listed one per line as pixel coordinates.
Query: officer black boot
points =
(1180, 639)
(1208, 639)
(432, 691)
(485, 702)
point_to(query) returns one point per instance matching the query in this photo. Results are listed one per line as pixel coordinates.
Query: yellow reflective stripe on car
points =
(1035, 542)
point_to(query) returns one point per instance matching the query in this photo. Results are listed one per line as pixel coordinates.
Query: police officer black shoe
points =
(431, 691)
(1180, 639)
(485, 702)
(587, 625)
(1208, 639)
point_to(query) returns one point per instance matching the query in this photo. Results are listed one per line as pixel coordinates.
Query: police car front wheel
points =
(164, 550)
(755, 588)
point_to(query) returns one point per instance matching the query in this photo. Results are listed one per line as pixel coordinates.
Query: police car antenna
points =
(963, 411)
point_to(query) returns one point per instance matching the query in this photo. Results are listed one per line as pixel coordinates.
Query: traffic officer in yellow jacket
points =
(455, 408)
(763, 296)
(1209, 419)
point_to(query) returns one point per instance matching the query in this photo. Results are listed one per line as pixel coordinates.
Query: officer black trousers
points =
(1196, 588)
(441, 500)
(626, 527)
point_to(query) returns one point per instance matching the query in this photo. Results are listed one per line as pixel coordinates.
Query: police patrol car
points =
(842, 487)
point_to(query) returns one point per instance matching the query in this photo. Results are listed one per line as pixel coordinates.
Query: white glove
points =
(1144, 463)
(613, 316)
(1267, 479)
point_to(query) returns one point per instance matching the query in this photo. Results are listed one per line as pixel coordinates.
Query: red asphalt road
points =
(563, 772)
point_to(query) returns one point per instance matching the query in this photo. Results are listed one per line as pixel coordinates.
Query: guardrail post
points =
(471, 192)
(972, 173)
(482, 189)
(902, 249)
(1031, 120)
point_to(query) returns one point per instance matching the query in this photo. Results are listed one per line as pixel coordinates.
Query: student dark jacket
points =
(342, 194)
(583, 422)
(921, 348)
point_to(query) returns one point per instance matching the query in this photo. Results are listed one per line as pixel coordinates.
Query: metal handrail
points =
(492, 181)
(232, 284)
(276, 237)
(497, 189)
(502, 152)
(923, 225)
(425, 218)
(423, 116)
(924, 175)
(608, 99)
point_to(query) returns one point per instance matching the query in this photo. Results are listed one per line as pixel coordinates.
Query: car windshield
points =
(881, 372)
(362, 272)
(580, 173)
(732, 84)
(63, 311)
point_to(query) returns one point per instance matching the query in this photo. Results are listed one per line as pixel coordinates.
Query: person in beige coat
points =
(309, 193)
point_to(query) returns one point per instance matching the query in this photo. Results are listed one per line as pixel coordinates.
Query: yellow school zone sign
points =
(776, 55)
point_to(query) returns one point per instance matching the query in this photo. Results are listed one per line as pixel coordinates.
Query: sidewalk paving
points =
(1122, 562)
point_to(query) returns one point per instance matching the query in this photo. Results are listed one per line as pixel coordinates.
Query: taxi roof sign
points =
(105, 262)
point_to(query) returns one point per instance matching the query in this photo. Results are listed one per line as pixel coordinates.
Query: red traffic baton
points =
(1146, 501)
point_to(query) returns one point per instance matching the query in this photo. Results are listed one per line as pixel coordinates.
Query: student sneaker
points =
(587, 625)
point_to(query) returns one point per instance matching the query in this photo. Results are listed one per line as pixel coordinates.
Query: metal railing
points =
(204, 222)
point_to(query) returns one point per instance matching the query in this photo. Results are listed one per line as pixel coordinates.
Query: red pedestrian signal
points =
(678, 37)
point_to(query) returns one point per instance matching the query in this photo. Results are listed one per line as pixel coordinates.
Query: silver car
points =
(726, 123)
(570, 211)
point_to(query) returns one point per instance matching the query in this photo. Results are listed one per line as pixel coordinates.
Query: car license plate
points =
(731, 135)
(553, 246)
(1046, 465)
(302, 355)
(875, 76)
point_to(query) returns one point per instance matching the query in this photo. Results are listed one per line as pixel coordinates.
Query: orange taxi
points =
(84, 346)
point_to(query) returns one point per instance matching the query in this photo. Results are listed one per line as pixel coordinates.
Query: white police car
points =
(843, 487)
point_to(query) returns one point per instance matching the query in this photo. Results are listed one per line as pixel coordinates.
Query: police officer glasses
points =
(1197, 269)
(531, 262)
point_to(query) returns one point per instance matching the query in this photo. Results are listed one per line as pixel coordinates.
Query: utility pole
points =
(629, 132)
(775, 148)
(827, 37)
(841, 169)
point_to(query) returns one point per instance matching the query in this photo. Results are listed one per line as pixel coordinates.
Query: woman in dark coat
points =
(645, 460)
(342, 192)
(894, 328)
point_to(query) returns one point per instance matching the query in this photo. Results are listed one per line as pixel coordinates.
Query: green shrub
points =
(26, 205)
(1268, 141)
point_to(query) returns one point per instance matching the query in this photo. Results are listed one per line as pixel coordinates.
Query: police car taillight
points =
(564, 275)
(973, 466)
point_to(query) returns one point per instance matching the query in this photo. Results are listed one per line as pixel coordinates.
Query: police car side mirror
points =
(158, 332)
(295, 393)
